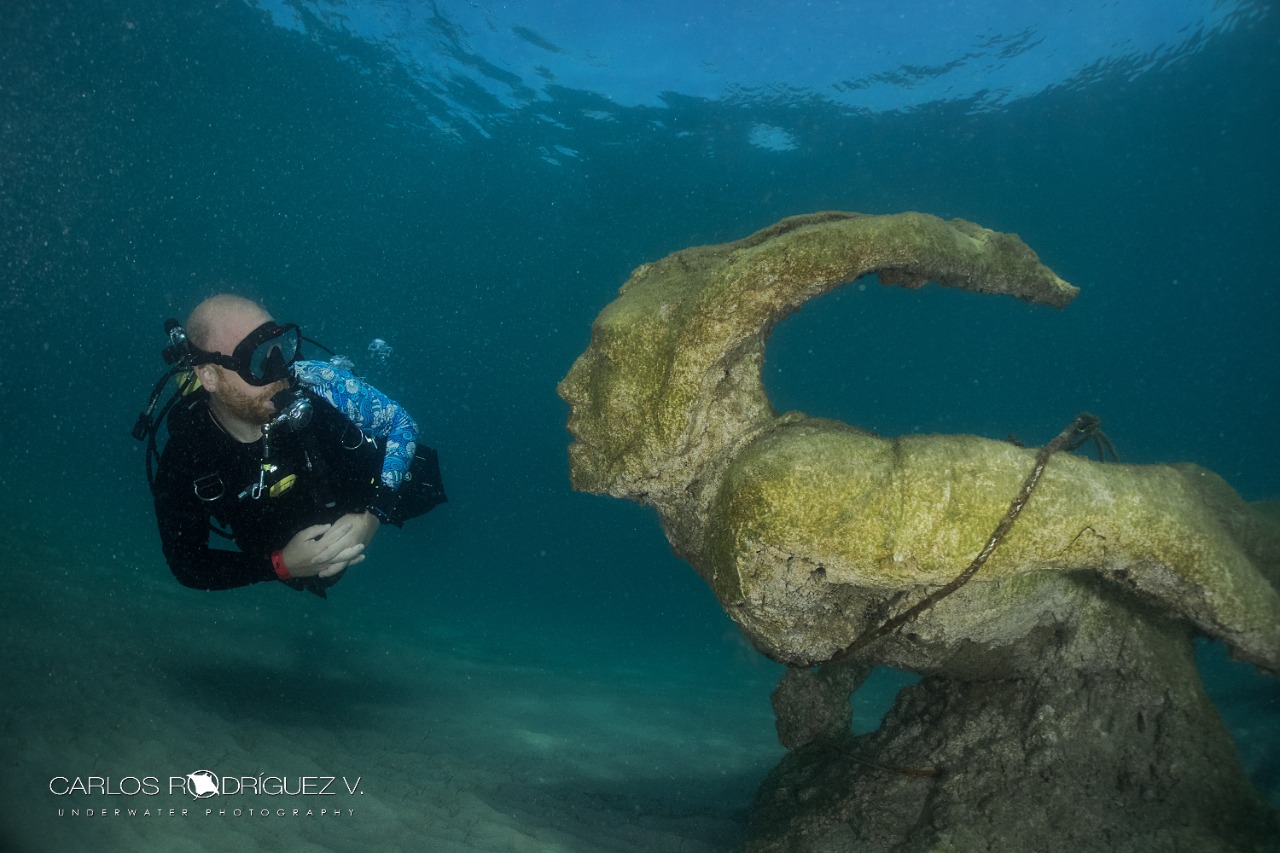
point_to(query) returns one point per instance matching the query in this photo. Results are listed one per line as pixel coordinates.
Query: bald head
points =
(222, 321)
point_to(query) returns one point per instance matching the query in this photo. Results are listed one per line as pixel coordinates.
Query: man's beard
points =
(256, 407)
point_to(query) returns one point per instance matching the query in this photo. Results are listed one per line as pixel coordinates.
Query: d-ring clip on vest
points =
(266, 467)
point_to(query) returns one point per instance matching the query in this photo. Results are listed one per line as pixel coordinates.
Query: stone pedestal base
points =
(1127, 756)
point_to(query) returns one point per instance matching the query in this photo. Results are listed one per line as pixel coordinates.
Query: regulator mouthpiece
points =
(293, 408)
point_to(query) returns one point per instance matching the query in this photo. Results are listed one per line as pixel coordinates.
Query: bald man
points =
(297, 462)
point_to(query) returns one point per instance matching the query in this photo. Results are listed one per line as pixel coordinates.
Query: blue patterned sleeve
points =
(368, 408)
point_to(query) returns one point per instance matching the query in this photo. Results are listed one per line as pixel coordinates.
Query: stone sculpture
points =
(1060, 707)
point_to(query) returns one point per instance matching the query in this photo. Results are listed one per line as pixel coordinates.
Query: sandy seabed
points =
(432, 736)
(339, 726)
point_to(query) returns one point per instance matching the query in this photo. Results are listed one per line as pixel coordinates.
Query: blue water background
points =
(156, 152)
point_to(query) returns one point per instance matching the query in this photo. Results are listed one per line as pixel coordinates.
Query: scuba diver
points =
(298, 462)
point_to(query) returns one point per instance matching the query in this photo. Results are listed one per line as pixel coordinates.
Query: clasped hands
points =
(323, 550)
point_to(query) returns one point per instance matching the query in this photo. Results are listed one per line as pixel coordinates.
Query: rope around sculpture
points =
(1079, 432)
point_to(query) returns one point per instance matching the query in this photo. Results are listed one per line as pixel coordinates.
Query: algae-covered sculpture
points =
(1048, 601)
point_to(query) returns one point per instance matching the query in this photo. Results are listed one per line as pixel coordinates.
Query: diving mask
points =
(263, 357)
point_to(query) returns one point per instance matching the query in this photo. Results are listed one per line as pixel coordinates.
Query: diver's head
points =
(239, 335)
(241, 356)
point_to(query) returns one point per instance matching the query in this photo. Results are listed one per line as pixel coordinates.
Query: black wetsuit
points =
(206, 474)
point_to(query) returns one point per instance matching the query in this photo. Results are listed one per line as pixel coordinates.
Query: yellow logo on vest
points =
(283, 486)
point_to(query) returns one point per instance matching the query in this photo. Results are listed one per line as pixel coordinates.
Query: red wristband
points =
(277, 563)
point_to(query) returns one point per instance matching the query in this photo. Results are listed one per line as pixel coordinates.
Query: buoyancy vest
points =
(312, 476)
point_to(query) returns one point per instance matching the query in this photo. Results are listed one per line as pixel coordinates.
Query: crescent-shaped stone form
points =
(811, 531)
